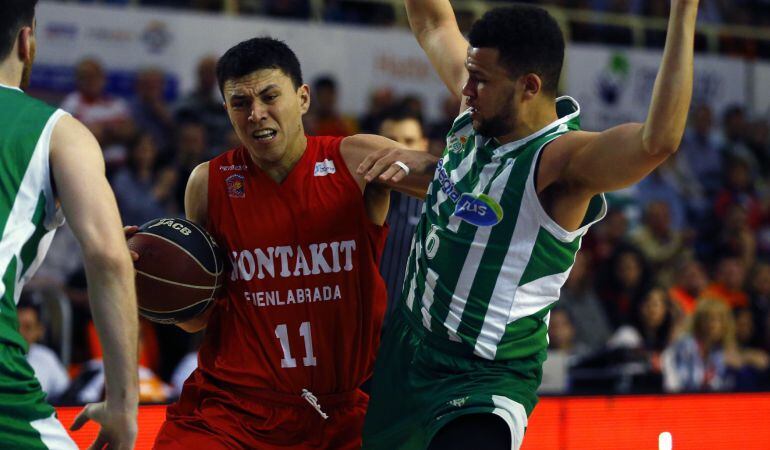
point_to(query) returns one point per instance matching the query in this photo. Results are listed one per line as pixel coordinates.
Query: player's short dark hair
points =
(14, 15)
(257, 54)
(529, 41)
(398, 113)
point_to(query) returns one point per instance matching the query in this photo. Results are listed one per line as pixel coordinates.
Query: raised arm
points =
(90, 208)
(435, 27)
(621, 156)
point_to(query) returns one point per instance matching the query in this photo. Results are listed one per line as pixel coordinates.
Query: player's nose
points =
(258, 113)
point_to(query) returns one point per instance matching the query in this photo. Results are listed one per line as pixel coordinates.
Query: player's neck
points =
(10, 74)
(278, 171)
(531, 120)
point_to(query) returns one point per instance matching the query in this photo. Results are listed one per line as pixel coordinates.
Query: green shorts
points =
(422, 382)
(26, 420)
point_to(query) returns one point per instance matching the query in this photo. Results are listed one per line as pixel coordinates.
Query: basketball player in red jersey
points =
(295, 335)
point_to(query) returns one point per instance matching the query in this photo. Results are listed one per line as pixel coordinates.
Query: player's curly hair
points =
(14, 14)
(529, 41)
(257, 54)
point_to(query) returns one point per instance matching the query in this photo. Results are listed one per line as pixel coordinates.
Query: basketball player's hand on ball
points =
(130, 230)
(118, 426)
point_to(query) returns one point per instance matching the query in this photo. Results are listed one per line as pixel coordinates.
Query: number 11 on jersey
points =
(282, 333)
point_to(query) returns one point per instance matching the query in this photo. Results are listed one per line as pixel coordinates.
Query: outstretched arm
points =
(435, 27)
(371, 159)
(90, 208)
(623, 155)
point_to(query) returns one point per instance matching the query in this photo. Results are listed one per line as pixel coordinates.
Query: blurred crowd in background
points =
(670, 292)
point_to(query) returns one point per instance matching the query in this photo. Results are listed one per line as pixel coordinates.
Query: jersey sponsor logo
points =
(323, 168)
(481, 210)
(235, 186)
(295, 296)
(454, 145)
(233, 167)
(446, 183)
(292, 261)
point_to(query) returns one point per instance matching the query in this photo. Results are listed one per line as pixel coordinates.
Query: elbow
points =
(660, 146)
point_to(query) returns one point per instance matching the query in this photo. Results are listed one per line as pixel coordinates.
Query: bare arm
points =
(435, 27)
(370, 159)
(196, 201)
(623, 155)
(89, 206)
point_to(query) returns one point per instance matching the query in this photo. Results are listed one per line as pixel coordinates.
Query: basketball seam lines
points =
(177, 283)
(176, 310)
(185, 250)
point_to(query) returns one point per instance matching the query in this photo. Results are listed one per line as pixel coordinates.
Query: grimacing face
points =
(407, 132)
(491, 93)
(266, 112)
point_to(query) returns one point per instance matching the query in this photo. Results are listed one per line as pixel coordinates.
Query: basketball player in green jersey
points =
(48, 159)
(517, 188)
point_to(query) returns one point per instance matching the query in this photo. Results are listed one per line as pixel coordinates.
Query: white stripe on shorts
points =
(514, 415)
(53, 434)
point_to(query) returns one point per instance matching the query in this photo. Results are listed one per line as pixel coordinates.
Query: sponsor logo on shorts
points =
(236, 186)
(480, 210)
(323, 168)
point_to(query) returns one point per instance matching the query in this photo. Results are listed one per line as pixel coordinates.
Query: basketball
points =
(178, 272)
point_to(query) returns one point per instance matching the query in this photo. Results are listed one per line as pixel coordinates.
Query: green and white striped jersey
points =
(487, 262)
(28, 212)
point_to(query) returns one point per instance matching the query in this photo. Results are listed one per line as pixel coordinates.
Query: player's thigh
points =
(486, 430)
(180, 435)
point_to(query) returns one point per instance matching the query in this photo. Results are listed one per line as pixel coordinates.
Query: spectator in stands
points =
(189, 151)
(728, 285)
(403, 126)
(381, 101)
(690, 282)
(735, 131)
(739, 189)
(142, 188)
(607, 236)
(735, 235)
(661, 245)
(658, 187)
(149, 109)
(205, 105)
(107, 117)
(49, 370)
(561, 353)
(755, 361)
(655, 323)
(760, 304)
(622, 283)
(438, 130)
(324, 119)
(701, 149)
(579, 299)
(703, 358)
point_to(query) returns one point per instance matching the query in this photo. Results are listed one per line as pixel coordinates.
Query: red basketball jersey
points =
(304, 299)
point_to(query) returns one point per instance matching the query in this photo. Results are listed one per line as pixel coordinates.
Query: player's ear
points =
(303, 94)
(25, 43)
(532, 84)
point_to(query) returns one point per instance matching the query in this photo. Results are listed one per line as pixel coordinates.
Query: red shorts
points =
(213, 417)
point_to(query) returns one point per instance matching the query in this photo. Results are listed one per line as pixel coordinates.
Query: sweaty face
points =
(407, 132)
(490, 92)
(266, 112)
